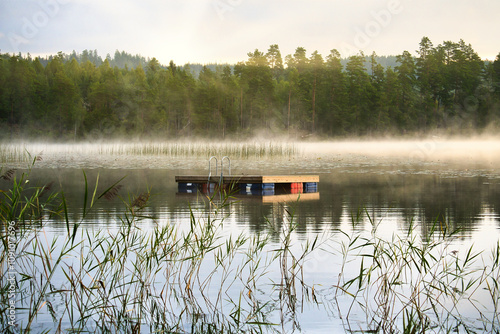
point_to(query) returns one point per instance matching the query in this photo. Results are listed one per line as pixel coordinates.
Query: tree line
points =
(81, 96)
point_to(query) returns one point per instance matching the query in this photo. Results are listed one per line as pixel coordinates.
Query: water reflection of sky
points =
(486, 233)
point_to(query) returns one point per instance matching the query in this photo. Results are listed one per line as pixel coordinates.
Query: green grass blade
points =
(95, 191)
(108, 189)
(85, 196)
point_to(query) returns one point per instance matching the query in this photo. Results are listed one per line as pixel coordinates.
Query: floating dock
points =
(261, 185)
(280, 187)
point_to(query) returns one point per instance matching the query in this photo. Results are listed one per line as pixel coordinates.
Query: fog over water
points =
(478, 152)
(482, 150)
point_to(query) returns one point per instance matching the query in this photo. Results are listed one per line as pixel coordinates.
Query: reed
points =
(130, 280)
(418, 284)
(238, 150)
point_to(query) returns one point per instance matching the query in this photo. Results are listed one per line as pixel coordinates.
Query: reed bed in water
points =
(10, 152)
(237, 150)
(200, 280)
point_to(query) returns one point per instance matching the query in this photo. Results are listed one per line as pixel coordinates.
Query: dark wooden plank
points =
(248, 178)
(216, 179)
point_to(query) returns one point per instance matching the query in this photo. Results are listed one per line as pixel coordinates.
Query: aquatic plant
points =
(11, 152)
(127, 280)
(413, 283)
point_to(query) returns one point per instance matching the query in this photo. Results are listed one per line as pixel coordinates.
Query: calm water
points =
(395, 198)
(391, 191)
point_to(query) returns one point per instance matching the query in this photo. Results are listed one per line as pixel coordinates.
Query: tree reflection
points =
(405, 198)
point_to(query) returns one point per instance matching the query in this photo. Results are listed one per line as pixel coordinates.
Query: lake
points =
(383, 187)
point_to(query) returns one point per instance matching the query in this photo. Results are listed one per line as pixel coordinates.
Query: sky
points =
(225, 31)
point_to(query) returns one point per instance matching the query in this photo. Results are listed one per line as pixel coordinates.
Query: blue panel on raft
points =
(187, 187)
(257, 186)
(310, 187)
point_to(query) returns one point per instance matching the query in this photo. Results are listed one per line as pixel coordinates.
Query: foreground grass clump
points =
(199, 279)
(413, 283)
(131, 280)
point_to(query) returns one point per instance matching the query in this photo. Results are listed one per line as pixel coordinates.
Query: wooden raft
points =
(259, 185)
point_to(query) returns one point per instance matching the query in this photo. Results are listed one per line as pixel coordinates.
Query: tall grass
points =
(131, 280)
(202, 280)
(197, 149)
(12, 152)
(418, 284)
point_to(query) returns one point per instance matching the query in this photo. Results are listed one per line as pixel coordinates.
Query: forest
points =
(446, 88)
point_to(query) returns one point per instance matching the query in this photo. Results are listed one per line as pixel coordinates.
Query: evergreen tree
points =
(335, 96)
(404, 93)
(358, 87)
(19, 93)
(103, 97)
(316, 76)
(275, 61)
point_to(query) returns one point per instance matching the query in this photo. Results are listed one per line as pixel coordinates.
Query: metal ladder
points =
(221, 169)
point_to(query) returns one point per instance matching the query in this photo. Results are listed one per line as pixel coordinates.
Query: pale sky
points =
(224, 31)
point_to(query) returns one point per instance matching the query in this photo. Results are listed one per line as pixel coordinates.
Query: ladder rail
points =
(221, 182)
(210, 167)
(221, 178)
(222, 165)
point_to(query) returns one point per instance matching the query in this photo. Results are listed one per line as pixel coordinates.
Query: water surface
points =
(388, 185)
